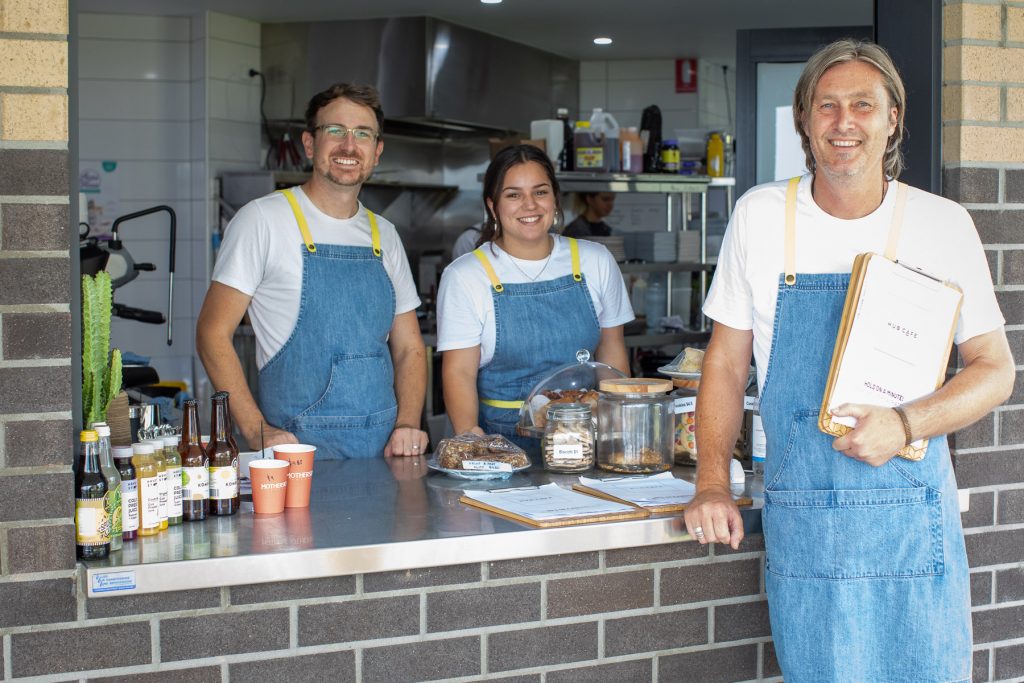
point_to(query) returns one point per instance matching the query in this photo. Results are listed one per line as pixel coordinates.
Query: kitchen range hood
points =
(432, 75)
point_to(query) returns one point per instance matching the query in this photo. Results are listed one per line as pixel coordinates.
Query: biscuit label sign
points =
(486, 465)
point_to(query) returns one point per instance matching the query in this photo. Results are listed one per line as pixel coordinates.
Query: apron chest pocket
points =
(854, 534)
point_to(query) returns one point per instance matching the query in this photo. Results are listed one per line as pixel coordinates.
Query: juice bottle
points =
(632, 151)
(129, 492)
(173, 480)
(113, 498)
(716, 156)
(92, 524)
(194, 474)
(147, 475)
(161, 468)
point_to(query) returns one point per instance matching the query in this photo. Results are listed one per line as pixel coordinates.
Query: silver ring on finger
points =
(698, 532)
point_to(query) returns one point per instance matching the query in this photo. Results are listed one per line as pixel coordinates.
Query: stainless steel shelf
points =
(578, 181)
(298, 177)
(676, 267)
(664, 339)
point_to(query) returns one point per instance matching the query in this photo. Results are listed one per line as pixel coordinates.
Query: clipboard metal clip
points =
(514, 488)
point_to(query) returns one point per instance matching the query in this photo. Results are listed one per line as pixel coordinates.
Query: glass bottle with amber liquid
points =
(92, 522)
(195, 477)
(222, 453)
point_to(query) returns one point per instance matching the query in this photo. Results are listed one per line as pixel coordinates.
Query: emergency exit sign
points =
(686, 74)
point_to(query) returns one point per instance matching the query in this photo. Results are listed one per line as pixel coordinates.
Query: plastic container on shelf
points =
(636, 426)
(573, 383)
(602, 123)
(632, 151)
(716, 155)
(589, 149)
(655, 303)
(669, 156)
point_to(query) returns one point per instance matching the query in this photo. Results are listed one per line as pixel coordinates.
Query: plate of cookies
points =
(475, 456)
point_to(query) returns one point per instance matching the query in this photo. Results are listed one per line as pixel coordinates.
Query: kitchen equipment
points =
(636, 423)
(96, 254)
(143, 416)
(650, 133)
(552, 132)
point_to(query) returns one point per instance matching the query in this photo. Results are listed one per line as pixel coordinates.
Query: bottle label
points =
(758, 443)
(174, 477)
(686, 404)
(223, 483)
(589, 157)
(750, 403)
(195, 483)
(164, 500)
(129, 505)
(92, 525)
(112, 506)
(149, 502)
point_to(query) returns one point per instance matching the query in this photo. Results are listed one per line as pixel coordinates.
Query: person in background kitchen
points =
(466, 241)
(331, 298)
(591, 209)
(525, 301)
(865, 564)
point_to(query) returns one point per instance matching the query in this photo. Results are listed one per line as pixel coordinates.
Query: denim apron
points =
(332, 383)
(865, 568)
(538, 328)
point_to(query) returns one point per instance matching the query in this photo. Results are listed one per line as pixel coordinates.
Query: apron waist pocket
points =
(854, 534)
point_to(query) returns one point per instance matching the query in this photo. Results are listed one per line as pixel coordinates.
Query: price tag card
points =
(486, 466)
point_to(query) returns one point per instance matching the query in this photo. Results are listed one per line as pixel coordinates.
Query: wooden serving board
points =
(653, 509)
(639, 513)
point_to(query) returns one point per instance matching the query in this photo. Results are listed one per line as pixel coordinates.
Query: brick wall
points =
(37, 547)
(983, 155)
(675, 612)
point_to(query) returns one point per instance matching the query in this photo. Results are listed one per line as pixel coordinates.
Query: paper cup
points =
(300, 472)
(269, 485)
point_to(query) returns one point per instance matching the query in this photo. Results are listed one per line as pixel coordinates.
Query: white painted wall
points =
(169, 99)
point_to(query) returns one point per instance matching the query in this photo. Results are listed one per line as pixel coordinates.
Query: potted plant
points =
(101, 367)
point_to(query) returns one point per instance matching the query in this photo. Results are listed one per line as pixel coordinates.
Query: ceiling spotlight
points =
(601, 40)
(491, 2)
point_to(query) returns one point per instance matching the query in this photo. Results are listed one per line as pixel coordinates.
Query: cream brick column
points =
(983, 159)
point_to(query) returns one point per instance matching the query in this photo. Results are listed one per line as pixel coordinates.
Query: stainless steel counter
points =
(366, 516)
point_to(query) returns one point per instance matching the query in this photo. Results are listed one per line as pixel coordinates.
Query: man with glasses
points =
(331, 299)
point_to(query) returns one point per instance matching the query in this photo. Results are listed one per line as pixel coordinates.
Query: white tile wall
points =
(170, 99)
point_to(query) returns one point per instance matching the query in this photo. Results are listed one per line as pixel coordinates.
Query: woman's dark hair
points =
(494, 180)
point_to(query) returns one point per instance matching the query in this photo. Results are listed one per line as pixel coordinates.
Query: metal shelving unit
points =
(677, 189)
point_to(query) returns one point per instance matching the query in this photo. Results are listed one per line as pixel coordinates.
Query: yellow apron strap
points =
(374, 233)
(300, 219)
(494, 403)
(495, 282)
(897, 221)
(574, 249)
(790, 263)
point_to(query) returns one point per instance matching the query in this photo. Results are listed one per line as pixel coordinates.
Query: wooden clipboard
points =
(653, 509)
(639, 513)
(917, 449)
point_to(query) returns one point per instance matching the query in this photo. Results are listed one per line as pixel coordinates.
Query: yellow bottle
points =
(147, 475)
(165, 489)
(716, 155)
(173, 461)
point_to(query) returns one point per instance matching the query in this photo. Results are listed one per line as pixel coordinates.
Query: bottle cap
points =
(101, 429)
(88, 436)
(121, 451)
(170, 441)
(142, 448)
(636, 385)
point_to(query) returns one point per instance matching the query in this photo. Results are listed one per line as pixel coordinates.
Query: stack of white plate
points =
(654, 247)
(689, 246)
(616, 244)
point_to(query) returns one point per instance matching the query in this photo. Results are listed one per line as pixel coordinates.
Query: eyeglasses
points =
(340, 132)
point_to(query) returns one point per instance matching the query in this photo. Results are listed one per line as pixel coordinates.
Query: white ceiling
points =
(641, 29)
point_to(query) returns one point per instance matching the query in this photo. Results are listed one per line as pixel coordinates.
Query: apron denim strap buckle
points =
(491, 275)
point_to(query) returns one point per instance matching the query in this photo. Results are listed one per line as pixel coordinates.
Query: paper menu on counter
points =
(653, 491)
(893, 343)
(549, 505)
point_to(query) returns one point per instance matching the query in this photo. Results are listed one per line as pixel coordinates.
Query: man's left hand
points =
(876, 438)
(406, 441)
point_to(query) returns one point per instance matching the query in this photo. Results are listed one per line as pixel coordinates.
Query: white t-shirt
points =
(465, 309)
(938, 236)
(261, 256)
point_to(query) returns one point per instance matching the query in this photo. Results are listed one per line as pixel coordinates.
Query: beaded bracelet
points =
(906, 424)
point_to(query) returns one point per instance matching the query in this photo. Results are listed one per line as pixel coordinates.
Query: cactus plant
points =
(101, 367)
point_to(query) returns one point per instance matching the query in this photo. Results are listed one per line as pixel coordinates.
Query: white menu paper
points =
(546, 502)
(899, 340)
(658, 489)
